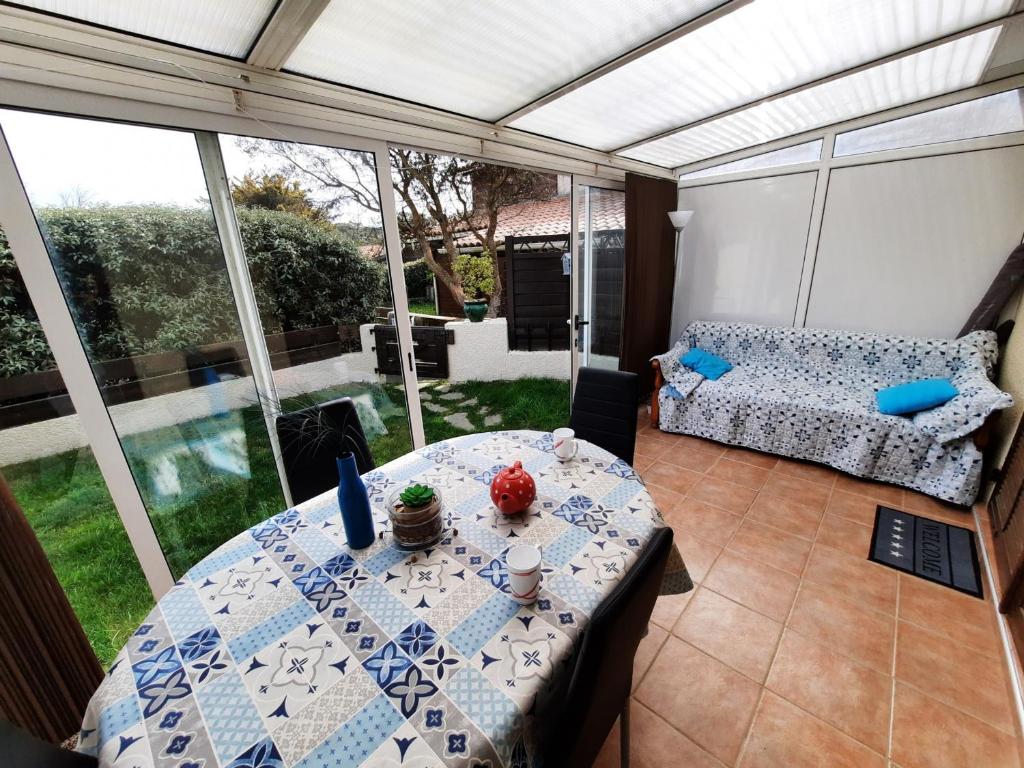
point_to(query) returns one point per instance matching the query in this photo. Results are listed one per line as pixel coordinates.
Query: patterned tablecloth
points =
(285, 648)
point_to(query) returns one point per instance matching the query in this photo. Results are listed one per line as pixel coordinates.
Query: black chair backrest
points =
(311, 440)
(578, 721)
(604, 410)
(20, 749)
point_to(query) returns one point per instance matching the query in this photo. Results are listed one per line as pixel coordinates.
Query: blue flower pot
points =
(354, 503)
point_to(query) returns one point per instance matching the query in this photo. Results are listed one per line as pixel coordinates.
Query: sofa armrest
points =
(979, 398)
(659, 382)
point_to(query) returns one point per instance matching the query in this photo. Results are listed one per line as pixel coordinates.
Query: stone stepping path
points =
(460, 421)
(435, 408)
(452, 396)
(493, 420)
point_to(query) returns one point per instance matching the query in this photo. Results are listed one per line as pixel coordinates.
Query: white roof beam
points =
(827, 79)
(284, 31)
(672, 35)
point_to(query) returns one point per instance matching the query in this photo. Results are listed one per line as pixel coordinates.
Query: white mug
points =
(524, 572)
(565, 444)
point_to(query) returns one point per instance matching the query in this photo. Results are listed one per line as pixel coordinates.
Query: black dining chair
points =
(21, 749)
(580, 714)
(604, 410)
(312, 438)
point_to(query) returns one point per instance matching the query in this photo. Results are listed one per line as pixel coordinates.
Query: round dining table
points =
(284, 647)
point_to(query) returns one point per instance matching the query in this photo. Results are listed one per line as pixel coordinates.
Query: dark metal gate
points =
(537, 292)
(431, 350)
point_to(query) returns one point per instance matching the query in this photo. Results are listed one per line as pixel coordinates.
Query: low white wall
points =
(480, 353)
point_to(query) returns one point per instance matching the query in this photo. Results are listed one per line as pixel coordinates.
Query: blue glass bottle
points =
(354, 503)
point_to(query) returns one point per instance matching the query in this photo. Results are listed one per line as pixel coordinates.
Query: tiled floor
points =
(793, 649)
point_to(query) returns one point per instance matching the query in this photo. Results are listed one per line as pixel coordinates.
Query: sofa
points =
(810, 394)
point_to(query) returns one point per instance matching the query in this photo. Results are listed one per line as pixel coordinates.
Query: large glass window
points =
(45, 459)
(494, 242)
(126, 217)
(311, 227)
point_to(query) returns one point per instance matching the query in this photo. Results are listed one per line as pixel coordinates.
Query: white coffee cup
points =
(565, 444)
(524, 572)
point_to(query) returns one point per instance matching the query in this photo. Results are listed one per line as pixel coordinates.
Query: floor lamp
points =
(679, 220)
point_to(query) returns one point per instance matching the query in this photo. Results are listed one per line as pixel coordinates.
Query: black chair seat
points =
(311, 440)
(604, 409)
(19, 749)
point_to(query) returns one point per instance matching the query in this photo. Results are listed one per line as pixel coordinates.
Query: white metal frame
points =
(19, 224)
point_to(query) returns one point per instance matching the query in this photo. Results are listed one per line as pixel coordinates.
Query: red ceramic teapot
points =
(513, 490)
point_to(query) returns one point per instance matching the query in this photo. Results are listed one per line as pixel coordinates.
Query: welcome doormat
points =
(939, 552)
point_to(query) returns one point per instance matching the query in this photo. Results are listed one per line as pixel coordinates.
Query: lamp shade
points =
(680, 218)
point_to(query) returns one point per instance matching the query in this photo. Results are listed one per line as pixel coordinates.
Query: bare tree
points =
(441, 197)
(76, 197)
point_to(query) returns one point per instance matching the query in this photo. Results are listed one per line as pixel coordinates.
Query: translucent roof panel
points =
(228, 27)
(807, 152)
(988, 116)
(945, 68)
(485, 58)
(759, 49)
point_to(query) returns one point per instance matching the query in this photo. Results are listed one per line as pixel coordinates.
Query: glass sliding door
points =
(46, 461)
(601, 238)
(486, 254)
(125, 214)
(310, 221)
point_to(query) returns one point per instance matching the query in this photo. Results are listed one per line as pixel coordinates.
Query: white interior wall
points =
(911, 246)
(906, 246)
(743, 250)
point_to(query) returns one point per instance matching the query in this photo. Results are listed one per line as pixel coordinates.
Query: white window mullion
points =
(814, 230)
(241, 288)
(19, 224)
(403, 322)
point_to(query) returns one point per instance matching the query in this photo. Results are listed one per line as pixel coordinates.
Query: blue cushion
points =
(707, 365)
(915, 396)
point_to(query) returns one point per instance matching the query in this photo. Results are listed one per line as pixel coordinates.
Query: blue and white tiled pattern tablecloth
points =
(285, 648)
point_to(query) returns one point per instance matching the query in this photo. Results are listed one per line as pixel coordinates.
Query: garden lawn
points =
(67, 503)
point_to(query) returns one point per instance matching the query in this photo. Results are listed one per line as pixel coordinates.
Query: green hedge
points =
(151, 279)
(418, 278)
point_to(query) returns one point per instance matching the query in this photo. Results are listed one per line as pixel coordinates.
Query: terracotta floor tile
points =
(646, 652)
(795, 489)
(859, 580)
(739, 472)
(839, 533)
(766, 590)
(665, 499)
(843, 693)
(670, 476)
(970, 681)
(724, 494)
(852, 506)
(807, 470)
(883, 492)
(697, 554)
(961, 617)
(650, 445)
(668, 608)
(708, 701)
(689, 457)
(771, 546)
(641, 463)
(784, 736)
(920, 504)
(742, 638)
(930, 734)
(703, 521)
(756, 458)
(689, 441)
(785, 514)
(860, 633)
(653, 743)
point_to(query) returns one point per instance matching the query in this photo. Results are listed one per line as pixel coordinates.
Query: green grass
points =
(422, 308)
(68, 505)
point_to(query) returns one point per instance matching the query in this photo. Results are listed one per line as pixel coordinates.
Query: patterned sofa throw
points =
(811, 394)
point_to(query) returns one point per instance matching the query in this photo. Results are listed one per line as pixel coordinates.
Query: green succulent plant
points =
(417, 495)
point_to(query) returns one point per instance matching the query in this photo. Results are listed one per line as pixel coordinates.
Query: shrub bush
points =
(152, 279)
(418, 279)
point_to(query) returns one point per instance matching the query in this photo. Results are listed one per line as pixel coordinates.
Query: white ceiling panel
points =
(945, 68)
(483, 58)
(227, 27)
(759, 49)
